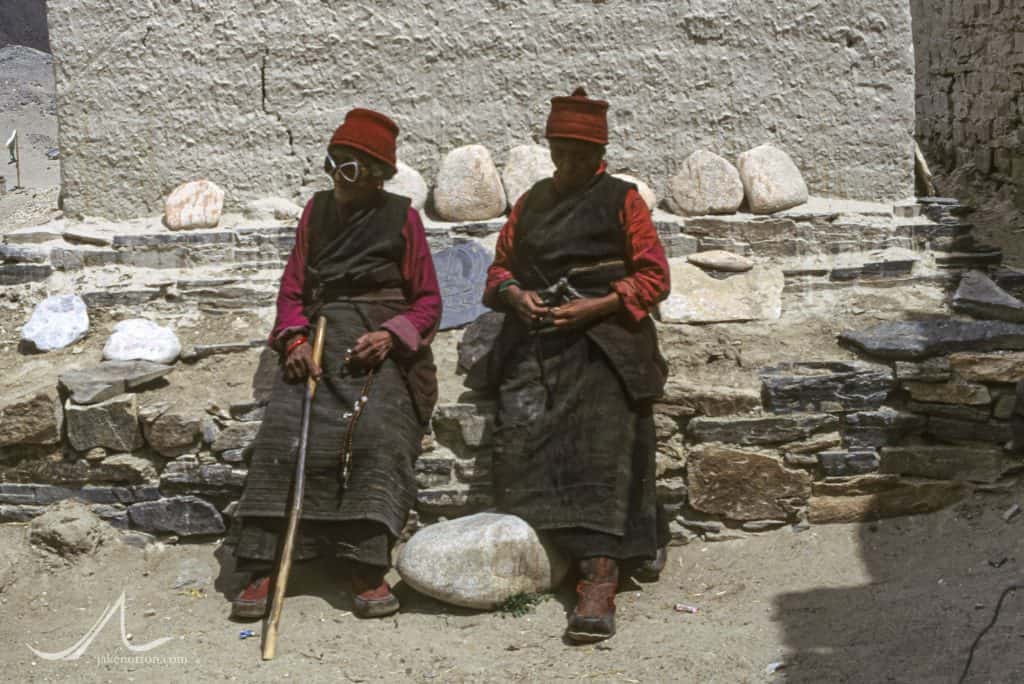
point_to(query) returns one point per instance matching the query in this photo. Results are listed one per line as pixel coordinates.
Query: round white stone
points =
(643, 188)
(479, 561)
(468, 186)
(408, 182)
(705, 184)
(771, 180)
(141, 339)
(57, 322)
(526, 165)
(196, 204)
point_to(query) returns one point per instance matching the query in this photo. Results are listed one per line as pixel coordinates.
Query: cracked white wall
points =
(155, 92)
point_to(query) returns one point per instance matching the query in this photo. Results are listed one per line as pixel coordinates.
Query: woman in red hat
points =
(361, 261)
(578, 267)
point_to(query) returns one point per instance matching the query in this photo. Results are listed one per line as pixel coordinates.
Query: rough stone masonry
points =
(151, 93)
(970, 74)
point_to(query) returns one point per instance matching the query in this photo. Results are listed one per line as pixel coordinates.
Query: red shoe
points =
(251, 603)
(372, 597)
(593, 618)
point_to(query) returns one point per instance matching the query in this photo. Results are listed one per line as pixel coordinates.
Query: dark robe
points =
(354, 281)
(575, 433)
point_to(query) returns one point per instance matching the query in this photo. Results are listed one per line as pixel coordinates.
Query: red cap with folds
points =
(578, 117)
(369, 131)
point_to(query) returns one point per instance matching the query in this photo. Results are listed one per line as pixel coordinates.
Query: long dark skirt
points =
(574, 457)
(381, 485)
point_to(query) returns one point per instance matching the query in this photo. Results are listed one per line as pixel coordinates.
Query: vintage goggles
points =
(349, 169)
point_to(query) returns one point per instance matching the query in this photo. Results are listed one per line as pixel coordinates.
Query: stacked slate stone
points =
(951, 236)
(957, 381)
(138, 464)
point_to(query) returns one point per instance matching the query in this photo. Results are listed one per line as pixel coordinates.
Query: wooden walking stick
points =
(295, 511)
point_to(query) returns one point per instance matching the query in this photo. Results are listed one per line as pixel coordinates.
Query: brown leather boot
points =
(371, 595)
(251, 603)
(593, 618)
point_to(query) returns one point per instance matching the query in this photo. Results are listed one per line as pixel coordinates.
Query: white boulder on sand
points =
(479, 561)
(56, 322)
(142, 340)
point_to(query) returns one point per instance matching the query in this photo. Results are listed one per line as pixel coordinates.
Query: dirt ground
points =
(901, 600)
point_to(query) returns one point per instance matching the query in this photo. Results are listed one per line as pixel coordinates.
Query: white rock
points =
(468, 187)
(56, 322)
(698, 298)
(771, 180)
(643, 188)
(721, 260)
(196, 204)
(479, 561)
(272, 208)
(705, 184)
(526, 165)
(408, 183)
(141, 339)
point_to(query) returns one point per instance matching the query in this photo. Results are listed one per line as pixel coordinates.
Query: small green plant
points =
(522, 603)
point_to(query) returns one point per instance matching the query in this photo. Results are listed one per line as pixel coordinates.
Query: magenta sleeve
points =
(415, 328)
(290, 316)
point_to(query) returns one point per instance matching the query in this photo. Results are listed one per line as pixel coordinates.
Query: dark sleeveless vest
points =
(361, 256)
(582, 237)
(361, 259)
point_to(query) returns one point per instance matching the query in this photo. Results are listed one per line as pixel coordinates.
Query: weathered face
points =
(576, 162)
(353, 183)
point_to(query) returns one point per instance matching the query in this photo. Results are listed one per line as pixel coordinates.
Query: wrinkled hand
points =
(372, 348)
(527, 305)
(580, 312)
(299, 365)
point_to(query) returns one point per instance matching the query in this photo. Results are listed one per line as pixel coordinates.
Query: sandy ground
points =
(901, 600)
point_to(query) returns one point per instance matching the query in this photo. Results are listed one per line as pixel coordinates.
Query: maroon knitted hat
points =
(578, 117)
(369, 131)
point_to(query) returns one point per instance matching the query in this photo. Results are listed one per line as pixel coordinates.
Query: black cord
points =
(995, 616)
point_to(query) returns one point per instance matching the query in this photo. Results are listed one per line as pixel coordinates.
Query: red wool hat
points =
(578, 117)
(369, 131)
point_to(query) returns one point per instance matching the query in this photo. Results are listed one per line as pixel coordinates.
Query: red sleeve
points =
(500, 270)
(290, 316)
(648, 280)
(415, 328)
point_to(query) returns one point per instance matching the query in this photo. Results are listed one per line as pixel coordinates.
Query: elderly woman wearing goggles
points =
(361, 261)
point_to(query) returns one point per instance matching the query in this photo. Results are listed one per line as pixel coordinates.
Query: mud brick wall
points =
(970, 86)
(151, 94)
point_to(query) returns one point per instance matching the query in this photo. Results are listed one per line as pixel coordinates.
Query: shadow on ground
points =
(934, 582)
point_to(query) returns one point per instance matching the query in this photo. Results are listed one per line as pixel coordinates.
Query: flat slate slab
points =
(980, 297)
(841, 463)
(462, 274)
(760, 430)
(110, 378)
(910, 340)
(183, 515)
(975, 464)
(828, 387)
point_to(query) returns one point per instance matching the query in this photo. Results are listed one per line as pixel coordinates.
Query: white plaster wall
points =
(155, 92)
